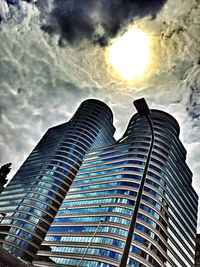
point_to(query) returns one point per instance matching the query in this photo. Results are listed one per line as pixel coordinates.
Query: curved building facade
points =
(33, 197)
(92, 224)
(165, 229)
(120, 203)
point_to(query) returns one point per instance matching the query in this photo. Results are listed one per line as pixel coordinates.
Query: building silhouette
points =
(84, 199)
(4, 171)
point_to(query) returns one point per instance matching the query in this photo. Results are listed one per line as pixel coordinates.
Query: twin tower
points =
(82, 198)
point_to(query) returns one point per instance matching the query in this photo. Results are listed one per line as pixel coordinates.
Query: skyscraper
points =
(84, 199)
(33, 197)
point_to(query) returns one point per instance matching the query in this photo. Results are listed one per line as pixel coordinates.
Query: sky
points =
(54, 54)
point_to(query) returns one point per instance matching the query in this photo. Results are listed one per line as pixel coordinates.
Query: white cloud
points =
(4, 10)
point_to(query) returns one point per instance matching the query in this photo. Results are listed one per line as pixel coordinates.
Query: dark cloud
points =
(12, 2)
(16, 2)
(95, 20)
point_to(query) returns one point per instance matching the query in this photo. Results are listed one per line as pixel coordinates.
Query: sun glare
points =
(129, 54)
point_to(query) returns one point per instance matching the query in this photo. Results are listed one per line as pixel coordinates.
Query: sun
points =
(129, 54)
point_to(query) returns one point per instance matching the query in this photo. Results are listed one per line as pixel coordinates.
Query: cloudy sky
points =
(54, 54)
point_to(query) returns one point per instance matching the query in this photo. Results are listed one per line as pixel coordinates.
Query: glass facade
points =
(72, 201)
(33, 197)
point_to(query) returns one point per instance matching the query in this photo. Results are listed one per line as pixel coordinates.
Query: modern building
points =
(84, 199)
